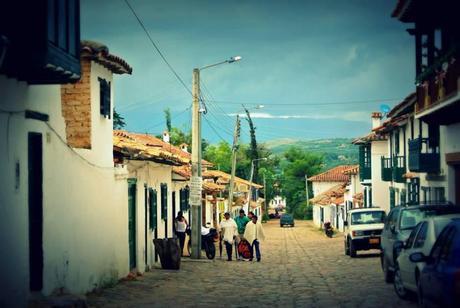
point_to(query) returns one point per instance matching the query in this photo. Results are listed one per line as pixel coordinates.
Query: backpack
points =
(244, 249)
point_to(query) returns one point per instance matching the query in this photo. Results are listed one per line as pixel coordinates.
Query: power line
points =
(308, 104)
(157, 48)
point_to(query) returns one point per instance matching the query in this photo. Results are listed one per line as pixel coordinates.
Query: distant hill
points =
(336, 151)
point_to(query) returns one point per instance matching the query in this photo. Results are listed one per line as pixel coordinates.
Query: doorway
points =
(35, 161)
(132, 222)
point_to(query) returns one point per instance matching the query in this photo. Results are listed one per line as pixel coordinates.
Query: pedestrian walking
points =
(241, 222)
(254, 233)
(229, 230)
(180, 226)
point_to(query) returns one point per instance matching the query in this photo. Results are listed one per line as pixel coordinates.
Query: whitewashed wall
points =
(85, 239)
(380, 189)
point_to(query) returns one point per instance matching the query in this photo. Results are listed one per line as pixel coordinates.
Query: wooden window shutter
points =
(104, 92)
(164, 201)
(187, 197)
(153, 208)
(392, 197)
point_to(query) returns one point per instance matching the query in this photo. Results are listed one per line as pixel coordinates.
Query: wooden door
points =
(35, 160)
(132, 223)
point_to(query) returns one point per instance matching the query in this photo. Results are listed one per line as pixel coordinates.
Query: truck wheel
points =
(352, 249)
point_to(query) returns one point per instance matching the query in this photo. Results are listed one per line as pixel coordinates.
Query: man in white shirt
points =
(253, 234)
(229, 231)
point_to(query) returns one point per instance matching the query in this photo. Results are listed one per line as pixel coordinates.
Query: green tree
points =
(298, 164)
(220, 155)
(118, 120)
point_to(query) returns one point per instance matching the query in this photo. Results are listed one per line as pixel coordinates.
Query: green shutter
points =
(187, 197)
(403, 197)
(164, 201)
(153, 208)
(392, 197)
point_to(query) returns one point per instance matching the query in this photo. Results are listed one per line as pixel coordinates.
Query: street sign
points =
(195, 190)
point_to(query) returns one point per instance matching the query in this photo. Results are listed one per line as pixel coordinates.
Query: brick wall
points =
(76, 108)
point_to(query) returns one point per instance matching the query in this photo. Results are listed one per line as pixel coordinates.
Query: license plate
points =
(374, 240)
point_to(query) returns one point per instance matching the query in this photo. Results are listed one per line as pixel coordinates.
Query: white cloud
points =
(356, 116)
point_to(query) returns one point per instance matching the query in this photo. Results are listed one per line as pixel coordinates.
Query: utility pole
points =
(196, 183)
(236, 134)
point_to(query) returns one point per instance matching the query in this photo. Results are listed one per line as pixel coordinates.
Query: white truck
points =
(363, 228)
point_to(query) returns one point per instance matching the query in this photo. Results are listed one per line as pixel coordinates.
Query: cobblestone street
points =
(300, 268)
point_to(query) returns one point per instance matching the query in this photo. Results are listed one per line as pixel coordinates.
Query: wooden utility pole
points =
(236, 134)
(196, 183)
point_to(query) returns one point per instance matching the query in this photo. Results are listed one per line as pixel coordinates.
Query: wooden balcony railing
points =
(386, 169)
(439, 81)
(422, 157)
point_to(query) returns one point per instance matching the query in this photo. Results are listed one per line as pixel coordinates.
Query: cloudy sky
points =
(319, 68)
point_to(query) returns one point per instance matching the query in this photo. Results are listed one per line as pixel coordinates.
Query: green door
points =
(132, 222)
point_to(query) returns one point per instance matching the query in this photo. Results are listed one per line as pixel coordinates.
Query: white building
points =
(64, 225)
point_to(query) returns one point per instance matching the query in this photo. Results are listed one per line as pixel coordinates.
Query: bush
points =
(304, 211)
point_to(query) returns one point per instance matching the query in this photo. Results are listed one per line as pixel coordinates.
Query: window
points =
(164, 201)
(153, 202)
(421, 236)
(438, 246)
(414, 191)
(410, 240)
(104, 92)
(372, 217)
(392, 197)
(402, 197)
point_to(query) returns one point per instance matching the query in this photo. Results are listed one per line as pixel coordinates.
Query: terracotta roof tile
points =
(132, 149)
(332, 196)
(153, 141)
(332, 175)
(225, 176)
(100, 53)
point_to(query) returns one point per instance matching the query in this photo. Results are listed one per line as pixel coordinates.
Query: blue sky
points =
(318, 67)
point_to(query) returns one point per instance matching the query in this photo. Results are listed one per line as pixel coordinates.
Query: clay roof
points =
(401, 108)
(332, 196)
(212, 187)
(223, 177)
(352, 170)
(100, 53)
(333, 175)
(153, 141)
(132, 149)
(372, 136)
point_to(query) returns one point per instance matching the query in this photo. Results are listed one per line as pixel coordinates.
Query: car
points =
(398, 226)
(421, 239)
(286, 220)
(362, 230)
(439, 281)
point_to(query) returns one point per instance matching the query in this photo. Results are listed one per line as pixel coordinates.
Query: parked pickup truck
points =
(362, 230)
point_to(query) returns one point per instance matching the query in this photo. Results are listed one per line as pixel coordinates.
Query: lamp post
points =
(236, 134)
(251, 178)
(196, 181)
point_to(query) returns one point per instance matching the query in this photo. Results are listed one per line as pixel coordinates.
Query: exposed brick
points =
(76, 109)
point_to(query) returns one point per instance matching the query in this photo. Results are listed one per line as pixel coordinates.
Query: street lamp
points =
(234, 148)
(196, 181)
(251, 178)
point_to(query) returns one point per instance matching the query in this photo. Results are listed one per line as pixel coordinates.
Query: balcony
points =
(420, 157)
(438, 82)
(399, 169)
(386, 169)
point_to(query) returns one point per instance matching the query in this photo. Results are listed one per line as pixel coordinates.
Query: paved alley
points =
(300, 268)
